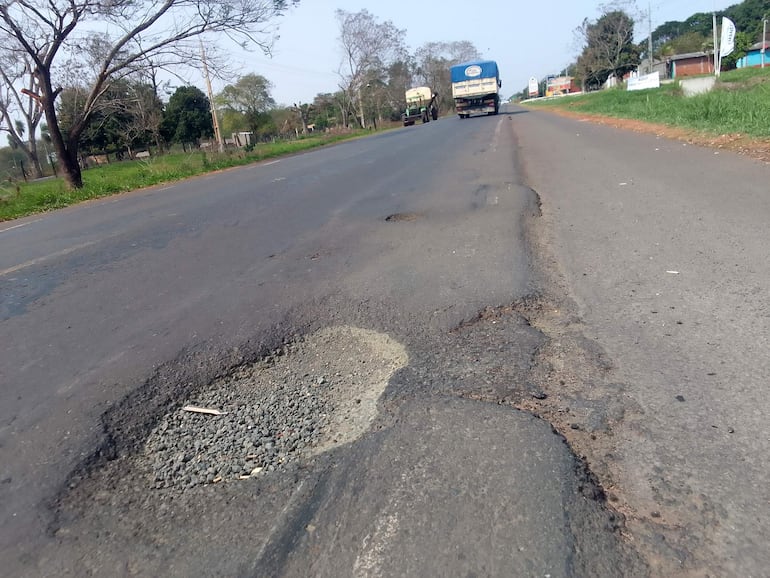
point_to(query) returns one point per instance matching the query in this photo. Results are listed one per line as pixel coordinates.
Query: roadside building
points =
(690, 64)
(754, 56)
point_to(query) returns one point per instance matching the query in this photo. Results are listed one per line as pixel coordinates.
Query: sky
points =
(533, 38)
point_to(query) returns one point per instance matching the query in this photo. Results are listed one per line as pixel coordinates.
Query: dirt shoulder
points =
(753, 147)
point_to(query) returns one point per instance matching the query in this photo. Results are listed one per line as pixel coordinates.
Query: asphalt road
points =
(624, 300)
(114, 311)
(663, 248)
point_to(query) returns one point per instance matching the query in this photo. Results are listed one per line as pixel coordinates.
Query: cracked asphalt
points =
(503, 445)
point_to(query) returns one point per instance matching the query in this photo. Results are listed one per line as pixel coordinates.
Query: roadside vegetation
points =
(18, 199)
(738, 104)
(82, 100)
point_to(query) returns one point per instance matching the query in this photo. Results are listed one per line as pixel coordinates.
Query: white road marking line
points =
(19, 226)
(271, 163)
(496, 140)
(61, 253)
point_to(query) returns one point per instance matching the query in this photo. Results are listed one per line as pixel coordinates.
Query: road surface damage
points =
(279, 425)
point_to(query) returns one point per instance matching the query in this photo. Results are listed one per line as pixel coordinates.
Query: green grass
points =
(21, 199)
(739, 104)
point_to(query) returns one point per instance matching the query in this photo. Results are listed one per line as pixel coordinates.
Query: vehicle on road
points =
(476, 87)
(420, 105)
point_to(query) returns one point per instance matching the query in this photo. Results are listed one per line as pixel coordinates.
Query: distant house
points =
(690, 64)
(753, 57)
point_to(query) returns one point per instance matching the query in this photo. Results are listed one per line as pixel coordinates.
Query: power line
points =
(291, 68)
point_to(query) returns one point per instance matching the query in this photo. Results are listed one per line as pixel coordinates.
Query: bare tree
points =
(58, 39)
(368, 47)
(433, 61)
(303, 112)
(145, 106)
(390, 94)
(15, 101)
(145, 110)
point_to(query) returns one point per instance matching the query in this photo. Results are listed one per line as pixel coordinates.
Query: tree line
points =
(73, 91)
(608, 47)
(87, 47)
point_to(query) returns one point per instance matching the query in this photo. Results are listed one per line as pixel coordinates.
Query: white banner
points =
(534, 88)
(727, 42)
(644, 82)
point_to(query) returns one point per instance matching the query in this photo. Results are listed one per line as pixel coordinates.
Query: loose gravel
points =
(311, 396)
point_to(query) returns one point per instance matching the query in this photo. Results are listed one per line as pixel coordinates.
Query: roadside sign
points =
(534, 88)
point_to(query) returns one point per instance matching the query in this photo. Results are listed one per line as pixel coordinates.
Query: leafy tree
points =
(118, 122)
(249, 97)
(748, 17)
(11, 162)
(695, 33)
(231, 121)
(324, 112)
(187, 117)
(685, 43)
(285, 122)
(609, 48)
(701, 22)
(59, 39)
(267, 126)
(743, 42)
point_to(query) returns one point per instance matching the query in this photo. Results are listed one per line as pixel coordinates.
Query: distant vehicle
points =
(420, 105)
(476, 87)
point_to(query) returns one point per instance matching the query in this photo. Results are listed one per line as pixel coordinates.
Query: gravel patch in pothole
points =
(316, 394)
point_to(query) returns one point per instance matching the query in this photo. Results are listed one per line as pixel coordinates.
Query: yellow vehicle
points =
(420, 105)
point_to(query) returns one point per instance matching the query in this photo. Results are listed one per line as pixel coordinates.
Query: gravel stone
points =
(271, 416)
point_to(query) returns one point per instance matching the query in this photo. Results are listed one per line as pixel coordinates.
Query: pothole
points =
(320, 393)
(402, 217)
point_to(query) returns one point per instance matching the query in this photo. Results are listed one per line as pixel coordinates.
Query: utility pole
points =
(649, 39)
(764, 38)
(214, 120)
(716, 45)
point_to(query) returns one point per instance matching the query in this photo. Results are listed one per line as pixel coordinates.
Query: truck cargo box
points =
(419, 96)
(476, 87)
(474, 70)
(420, 105)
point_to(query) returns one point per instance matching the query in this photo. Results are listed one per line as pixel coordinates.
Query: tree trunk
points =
(70, 167)
(34, 162)
(66, 151)
(343, 114)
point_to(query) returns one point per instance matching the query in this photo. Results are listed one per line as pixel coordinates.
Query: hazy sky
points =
(532, 38)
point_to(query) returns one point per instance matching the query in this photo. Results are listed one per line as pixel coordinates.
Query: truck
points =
(476, 87)
(420, 105)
